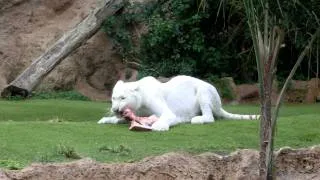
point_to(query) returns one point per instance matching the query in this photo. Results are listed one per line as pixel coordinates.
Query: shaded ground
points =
(290, 164)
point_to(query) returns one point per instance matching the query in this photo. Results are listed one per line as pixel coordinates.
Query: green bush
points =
(67, 151)
(208, 37)
(68, 95)
(121, 149)
(223, 87)
(11, 164)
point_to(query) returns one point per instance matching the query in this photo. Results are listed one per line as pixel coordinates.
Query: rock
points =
(94, 94)
(94, 62)
(303, 91)
(5, 4)
(298, 85)
(38, 24)
(313, 90)
(64, 76)
(296, 91)
(3, 81)
(58, 5)
(247, 92)
(35, 28)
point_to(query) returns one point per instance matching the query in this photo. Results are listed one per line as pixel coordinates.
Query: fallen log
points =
(39, 68)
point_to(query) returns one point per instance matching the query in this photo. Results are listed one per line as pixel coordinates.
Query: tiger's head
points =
(125, 95)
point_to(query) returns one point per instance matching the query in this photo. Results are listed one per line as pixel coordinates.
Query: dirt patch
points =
(40, 23)
(290, 164)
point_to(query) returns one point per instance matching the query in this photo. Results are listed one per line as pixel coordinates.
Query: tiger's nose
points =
(116, 111)
(113, 109)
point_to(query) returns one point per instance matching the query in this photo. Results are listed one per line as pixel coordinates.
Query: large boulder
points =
(302, 91)
(250, 93)
(29, 27)
(313, 90)
(247, 93)
(3, 81)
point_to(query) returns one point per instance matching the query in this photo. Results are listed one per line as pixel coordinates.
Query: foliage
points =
(120, 149)
(14, 98)
(11, 164)
(208, 37)
(300, 19)
(223, 87)
(27, 136)
(68, 95)
(122, 26)
(67, 151)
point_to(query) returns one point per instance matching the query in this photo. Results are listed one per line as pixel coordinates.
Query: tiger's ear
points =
(134, 87)
(120, 82)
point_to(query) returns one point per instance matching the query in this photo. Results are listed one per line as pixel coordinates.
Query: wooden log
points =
(39, 68)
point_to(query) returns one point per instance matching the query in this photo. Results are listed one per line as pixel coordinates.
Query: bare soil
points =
(29, 27)
(243, 164)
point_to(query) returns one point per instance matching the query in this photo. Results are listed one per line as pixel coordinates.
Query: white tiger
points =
(182, 99)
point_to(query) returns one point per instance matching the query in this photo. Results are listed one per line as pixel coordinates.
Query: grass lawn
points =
(60, 130)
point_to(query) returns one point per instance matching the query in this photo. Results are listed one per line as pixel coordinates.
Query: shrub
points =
(11, 164)
(69, 95)
(223, 87)
(208, 38)
(67, 151)
(121, 149)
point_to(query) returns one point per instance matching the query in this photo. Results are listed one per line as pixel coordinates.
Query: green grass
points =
(63, 130)
(54, 109)
(67, 95)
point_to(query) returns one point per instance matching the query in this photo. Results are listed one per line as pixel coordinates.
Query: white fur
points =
(182, 99)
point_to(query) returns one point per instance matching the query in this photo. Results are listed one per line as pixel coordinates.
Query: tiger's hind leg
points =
(204, 100)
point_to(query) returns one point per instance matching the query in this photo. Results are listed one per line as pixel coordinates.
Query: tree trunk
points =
(32, 76)
(266, 126)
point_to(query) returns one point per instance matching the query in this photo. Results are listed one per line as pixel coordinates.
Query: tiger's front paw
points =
(108, 120)
(160, 126)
